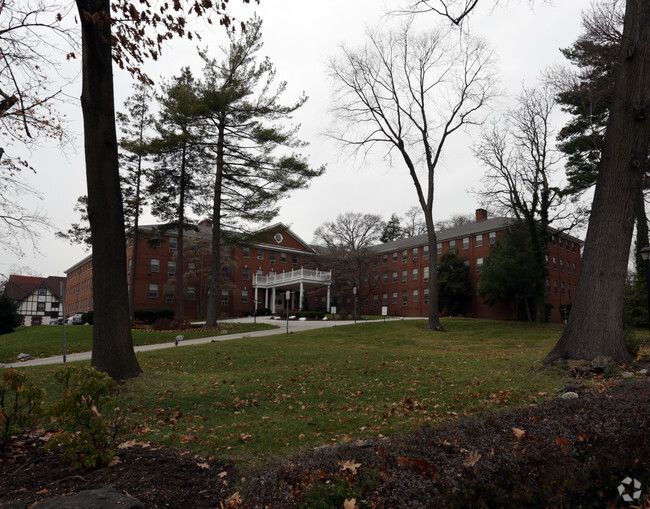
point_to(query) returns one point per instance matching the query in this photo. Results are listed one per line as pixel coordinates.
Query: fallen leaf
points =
(44, 490)
(472, 459)
(203, 465)
(233, 501)
(244, 437)
(222, 474)
(519, 433)
(350, 504)
(114, 461)
(127, 445)
(349, 465)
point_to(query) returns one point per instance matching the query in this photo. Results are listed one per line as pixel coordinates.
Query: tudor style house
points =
(39, 298)
(261, 270)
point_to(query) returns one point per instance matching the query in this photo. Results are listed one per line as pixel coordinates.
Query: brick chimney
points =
(481, 215)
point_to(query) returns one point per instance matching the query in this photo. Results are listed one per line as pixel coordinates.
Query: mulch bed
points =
(157, 476)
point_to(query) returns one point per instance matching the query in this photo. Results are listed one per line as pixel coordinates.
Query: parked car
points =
(77, 319)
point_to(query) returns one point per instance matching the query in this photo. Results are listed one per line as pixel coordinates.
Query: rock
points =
(643, 372)
(324, 318)
(302, 319)
(24, 356)
(627, 374)
(572, 388)
(569, 395)
(102, 498)
(602, 363)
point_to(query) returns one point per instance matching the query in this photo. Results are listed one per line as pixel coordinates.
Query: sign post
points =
(384, 312)
(62, 291)
(287, 296)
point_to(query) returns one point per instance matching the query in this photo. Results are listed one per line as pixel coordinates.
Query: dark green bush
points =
(87, 318)
(89, 415)
(150, 315)
(20, 404)
(9, 317)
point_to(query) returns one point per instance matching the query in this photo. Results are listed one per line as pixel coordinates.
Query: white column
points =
(255, 300)
(301, 294)
(328, 299)
(273, 299)
(266, 298)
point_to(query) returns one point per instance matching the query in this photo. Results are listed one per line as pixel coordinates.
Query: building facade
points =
(258, 271)
(40, 299)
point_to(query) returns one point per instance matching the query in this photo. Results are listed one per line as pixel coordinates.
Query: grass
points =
(267, 397)
(45, 341)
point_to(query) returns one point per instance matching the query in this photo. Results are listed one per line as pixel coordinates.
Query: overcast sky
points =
(300, 37)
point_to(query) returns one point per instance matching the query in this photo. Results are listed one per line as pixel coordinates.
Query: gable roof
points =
(20, 287)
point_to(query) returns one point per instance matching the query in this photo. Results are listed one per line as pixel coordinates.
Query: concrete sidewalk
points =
(294, 326)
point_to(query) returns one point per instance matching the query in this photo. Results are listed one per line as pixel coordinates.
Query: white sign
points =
(333, 310)
(384, 310)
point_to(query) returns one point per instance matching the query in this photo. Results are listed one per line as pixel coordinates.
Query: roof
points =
(465, 230)
(20, 287)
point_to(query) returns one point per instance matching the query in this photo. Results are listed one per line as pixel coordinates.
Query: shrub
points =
(263, 312)
(89, 415)
(9, 317)
(162, 324)
(87, 318)
(150, 315)
(20, 404)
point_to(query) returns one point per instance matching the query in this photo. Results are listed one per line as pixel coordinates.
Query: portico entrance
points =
(294, 281)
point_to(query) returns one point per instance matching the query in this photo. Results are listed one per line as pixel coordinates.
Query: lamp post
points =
(354, 293)
(645, 254)
(287, 296)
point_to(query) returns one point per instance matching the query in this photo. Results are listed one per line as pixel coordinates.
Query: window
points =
(415, 295)
(169, 295)
(384, 299)
(294, 260)
(452, 245)
(554, 240)
(395, 256)
(548, 287)
(425, 274)
(384, 278)
(42, 291)
(560, 242)
(171, 268)
(283, 257)
(225, 272)
(246, 252)
(562, 265)
(365, 282)
(245, 273)
(384, 258)
(227, 251)
(492, 237)
(153, 291)
(439, 247)
(425, 252)
(478, 240)
(40, 307)
(465, 242)
(555, 286)
(307, 262)
(260, 254)
(154, 265)
(191, 266)
(414, 275)
(573, 247)
(395, 277)
(173, 243)
(562, 284)
(375, 281)
(224, 297)
(272, 257)
(375, 301)
(415, 253)
(191, 293)
(405, 298)
(244, 296)
(426, 295)
(405, 255)
(547, 260)
(479, 264)
(568, 286)
(404, 276)
(466, 263)
(259, 272)
(574, 268)
(365, 302)
(554, 263)
(394, 297)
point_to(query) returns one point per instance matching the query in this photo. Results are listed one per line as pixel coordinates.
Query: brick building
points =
(259, 271)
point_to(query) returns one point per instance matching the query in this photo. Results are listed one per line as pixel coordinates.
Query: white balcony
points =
(304, 276)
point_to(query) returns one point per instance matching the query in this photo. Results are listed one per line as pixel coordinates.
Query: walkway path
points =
(294, 326)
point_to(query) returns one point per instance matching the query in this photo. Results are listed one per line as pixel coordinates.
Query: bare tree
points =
(409, 92)
(415, 223)
(519, 155)
(347, 242)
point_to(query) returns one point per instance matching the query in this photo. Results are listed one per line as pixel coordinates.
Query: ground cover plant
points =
(45, 341)
(241, 405)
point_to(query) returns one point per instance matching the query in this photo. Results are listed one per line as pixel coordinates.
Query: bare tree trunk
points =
(595, 324)
(112, 343)
(215, 262)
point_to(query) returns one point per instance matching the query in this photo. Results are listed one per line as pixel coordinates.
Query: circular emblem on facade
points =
(278, 237)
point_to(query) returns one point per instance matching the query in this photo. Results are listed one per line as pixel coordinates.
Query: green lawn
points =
(266, 397)
(47, 340)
